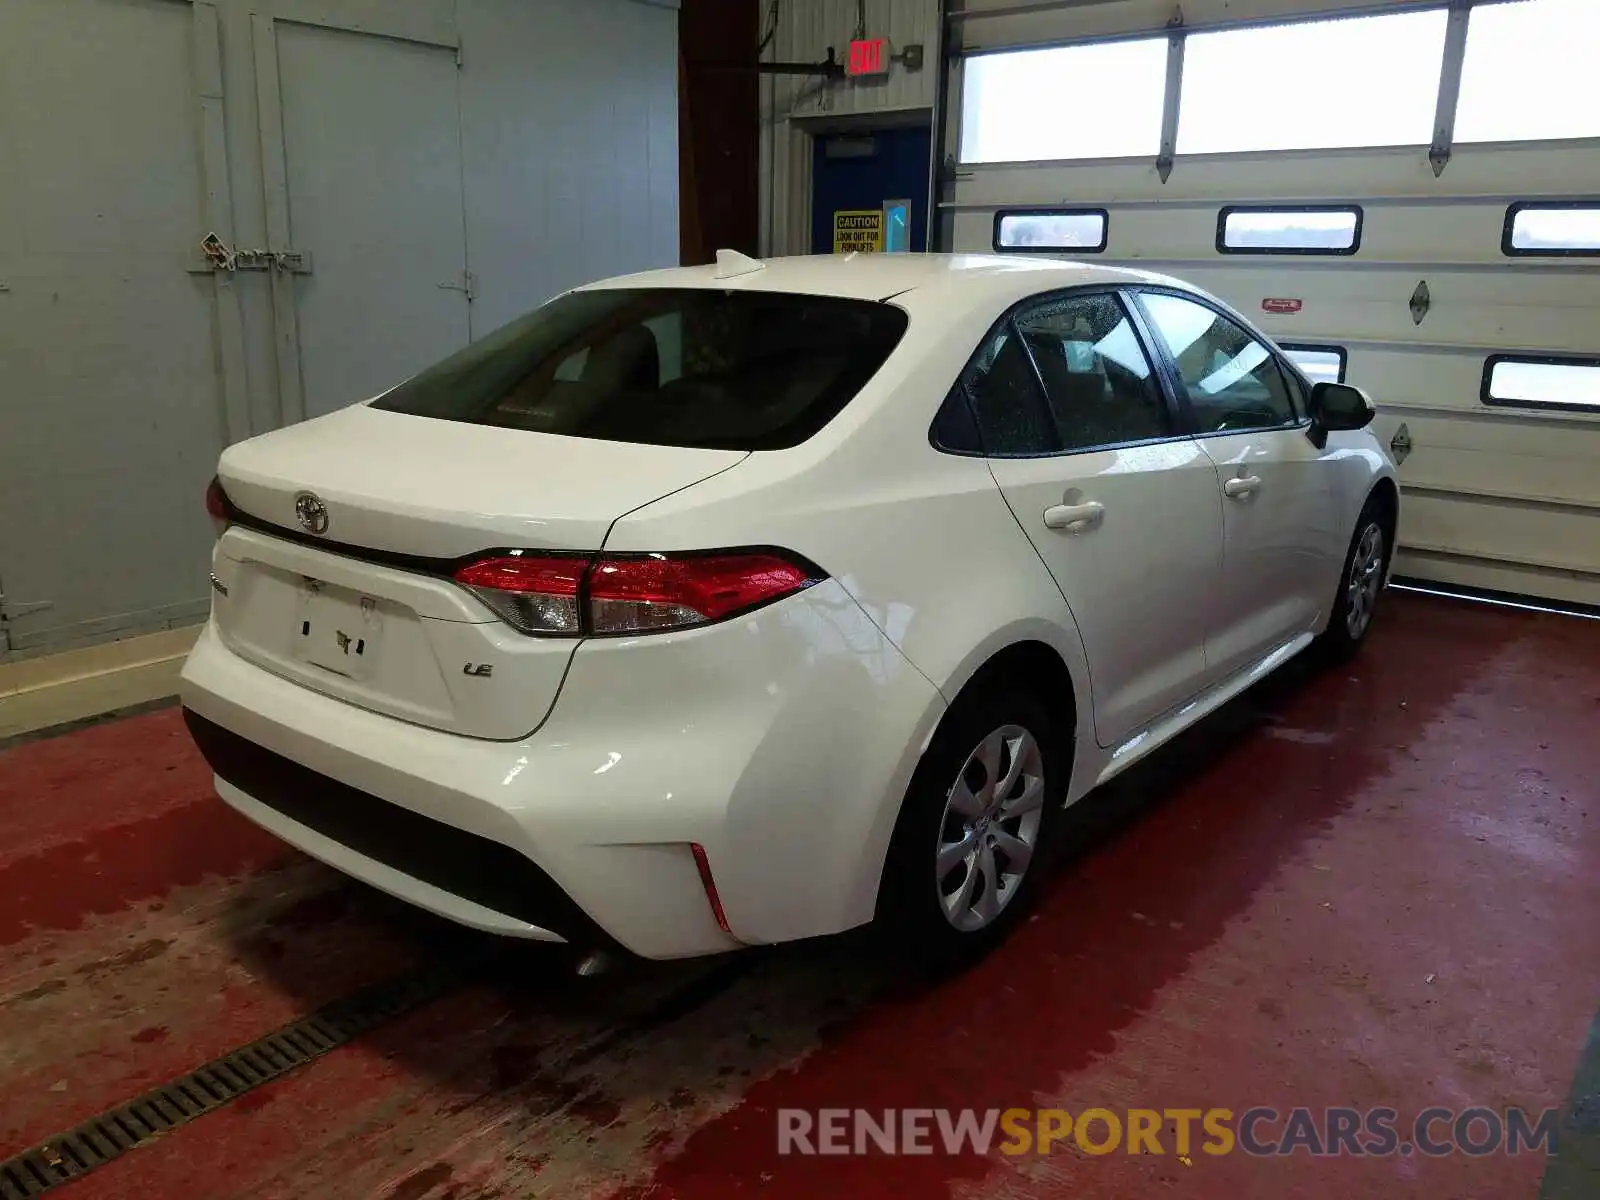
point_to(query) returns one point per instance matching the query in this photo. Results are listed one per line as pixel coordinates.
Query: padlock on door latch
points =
(217, 253)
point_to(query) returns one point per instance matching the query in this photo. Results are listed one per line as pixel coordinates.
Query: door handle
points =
(1075, 518)
(1242, 487)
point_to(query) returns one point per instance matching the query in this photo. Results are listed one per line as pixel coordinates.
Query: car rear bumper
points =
(476, 881)
(780, 742)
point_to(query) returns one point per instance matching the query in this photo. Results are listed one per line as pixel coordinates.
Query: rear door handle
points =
(1242, 486)
(1075, 518)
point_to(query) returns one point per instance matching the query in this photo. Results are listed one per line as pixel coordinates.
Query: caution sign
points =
(858, 229)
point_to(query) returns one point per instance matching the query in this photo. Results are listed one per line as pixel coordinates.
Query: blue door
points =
(871, 170)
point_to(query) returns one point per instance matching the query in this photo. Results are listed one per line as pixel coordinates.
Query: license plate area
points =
(337, 629)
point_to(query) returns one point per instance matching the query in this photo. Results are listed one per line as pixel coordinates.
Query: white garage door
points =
(1408, 195)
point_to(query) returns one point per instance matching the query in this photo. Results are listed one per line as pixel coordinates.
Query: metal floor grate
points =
(67, 1156)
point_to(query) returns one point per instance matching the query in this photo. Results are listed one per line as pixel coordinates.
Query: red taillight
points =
(614, 594)
(218, 505)
(658, 591)
(536, 593)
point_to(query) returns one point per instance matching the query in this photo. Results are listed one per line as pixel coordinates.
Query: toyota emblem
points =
(311, 512)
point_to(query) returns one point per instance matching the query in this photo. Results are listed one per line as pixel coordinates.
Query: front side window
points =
(744, 370)
(1098, 382)
(1232, 380)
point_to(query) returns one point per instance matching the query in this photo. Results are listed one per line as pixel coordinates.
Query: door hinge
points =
(12, 611)
(1421, 302)
(1400, 444)
(951, 171)
(467, 287)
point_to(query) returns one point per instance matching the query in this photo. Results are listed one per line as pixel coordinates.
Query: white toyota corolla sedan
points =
(736, 604)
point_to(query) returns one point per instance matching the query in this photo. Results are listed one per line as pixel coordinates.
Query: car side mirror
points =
(1339, 406)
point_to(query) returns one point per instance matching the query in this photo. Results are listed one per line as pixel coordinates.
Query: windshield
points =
(740, 370)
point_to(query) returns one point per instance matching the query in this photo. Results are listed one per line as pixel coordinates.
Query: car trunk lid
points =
(427, 488)
(337, 573)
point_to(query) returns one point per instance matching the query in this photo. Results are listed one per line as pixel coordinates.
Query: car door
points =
(1122, 508)
(1281, 540)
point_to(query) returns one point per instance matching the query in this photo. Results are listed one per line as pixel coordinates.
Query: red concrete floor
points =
(1375, 885)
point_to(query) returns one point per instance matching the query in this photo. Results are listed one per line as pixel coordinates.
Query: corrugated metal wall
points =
(549, 158)
(794, 106)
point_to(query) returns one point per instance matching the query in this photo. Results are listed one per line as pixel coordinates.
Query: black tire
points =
(1354, 608)
(912, 897)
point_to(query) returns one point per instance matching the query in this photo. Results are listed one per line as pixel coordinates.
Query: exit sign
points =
(868, 56)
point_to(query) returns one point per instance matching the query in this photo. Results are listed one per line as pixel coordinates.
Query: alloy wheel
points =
(990, 828)
(1366, 578)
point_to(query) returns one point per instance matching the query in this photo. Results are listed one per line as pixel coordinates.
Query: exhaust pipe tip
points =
(596, 962)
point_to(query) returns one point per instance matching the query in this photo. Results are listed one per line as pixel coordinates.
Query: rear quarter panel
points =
(922, 540)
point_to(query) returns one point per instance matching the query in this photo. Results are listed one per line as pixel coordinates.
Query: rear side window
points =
(1098, 382)
(740, 370)
(1010, 412)
(1064, 375)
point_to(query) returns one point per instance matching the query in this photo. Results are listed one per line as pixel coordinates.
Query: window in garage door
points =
(1081, 230)
(1552, 229)
(1300, 229)
(1550, 382)
(1529, 72)
(1227, 74)
(1100, 101)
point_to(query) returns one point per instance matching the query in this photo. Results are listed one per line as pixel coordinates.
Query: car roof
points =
(962, 281)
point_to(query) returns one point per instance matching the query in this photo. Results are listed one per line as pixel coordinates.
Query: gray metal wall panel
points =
(431, 22)
(570, 136)
(366, 118)
(110, 405)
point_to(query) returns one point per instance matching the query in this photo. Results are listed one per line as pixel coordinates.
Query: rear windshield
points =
(667, 366)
